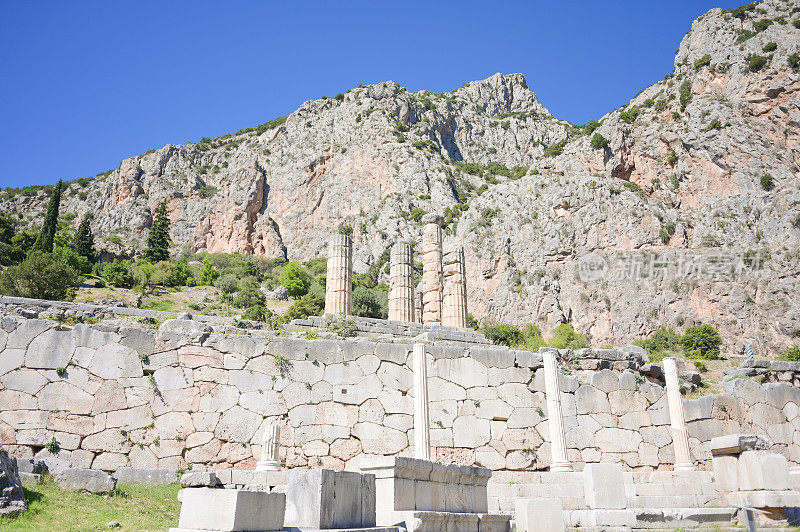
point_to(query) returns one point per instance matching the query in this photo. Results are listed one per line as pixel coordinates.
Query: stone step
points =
(649, 518)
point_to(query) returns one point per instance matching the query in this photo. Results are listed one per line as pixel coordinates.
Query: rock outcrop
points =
(681, 207)
(12, 498)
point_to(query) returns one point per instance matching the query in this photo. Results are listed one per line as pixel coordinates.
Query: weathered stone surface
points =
(321, 498)
(85, 480)
(230, 509)
(12, 498)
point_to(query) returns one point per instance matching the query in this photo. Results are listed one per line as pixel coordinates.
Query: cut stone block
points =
(539, 515)
(604, 486)
(149, 477)
(726, 472)
(409, 484)
(324, 499)
(85, 480)
(763, 470)
(736, 444)
(765, 499)
(231, 510)
(422, 521)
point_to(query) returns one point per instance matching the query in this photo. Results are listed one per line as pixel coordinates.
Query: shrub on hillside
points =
(312, 304)
(660, 342)
(599, 141)
(791, 353)
(367, 302)
(227, 284)
(767, 182)
(209, 273)
(40, 276)
(701, 341)
(249, 294)
(503, 334)
(118, 273)
(565, 337)
(257, 313)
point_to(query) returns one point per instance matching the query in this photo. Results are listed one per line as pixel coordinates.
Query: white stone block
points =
(323, 498)
(737, 443)
(726, 472)
(763, 470)
(539, 515)
(229, 510)
(603, 486)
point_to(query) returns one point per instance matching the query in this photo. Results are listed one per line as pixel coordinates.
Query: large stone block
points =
(737, 444)
(12, 498)
(85, 480)
(149, 477)
(763, 470)
(539, 515)
(50, 350)
(322, 498)
(726, 471)
(231, 510)
(603, 486)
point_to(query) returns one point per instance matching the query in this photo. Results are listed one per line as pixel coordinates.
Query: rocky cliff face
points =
(668, 224)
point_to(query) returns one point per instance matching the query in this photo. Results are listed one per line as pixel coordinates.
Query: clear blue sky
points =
(85, 84)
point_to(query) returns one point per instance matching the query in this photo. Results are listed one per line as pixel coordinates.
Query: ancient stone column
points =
(418, 304)
(270, 448)
(401, 283)
(680, 436)
(339, 281)
(558, 443)
(422, 422)
(432, 269)
(454, 300)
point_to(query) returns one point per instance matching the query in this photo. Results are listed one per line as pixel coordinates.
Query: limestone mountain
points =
(682, 206)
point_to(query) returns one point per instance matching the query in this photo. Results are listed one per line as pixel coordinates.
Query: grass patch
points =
(133, 507)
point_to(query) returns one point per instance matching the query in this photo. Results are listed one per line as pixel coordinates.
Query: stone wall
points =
(184, 395)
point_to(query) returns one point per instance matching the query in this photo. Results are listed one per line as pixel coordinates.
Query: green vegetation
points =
(794, 60)
(296, 279)
(756, 62)
(700, 341)
(702, 62)
(685, 94)
(208, 274)
(672, 157)
(599, 142)
(207, 191)
(555, 149)
(770, 47)
(530, 337)
(40, 276)
(767, 182)
(629, 114)
(44, 242)
(791, 353)
(133, 507)
(158, 241)
(83, 242)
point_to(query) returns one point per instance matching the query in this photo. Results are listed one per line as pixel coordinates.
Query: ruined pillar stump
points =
(454, 299)
(401, 283)
(432, 269)
(270, 449)
(558, 443)
(339, 281)
(677, 419)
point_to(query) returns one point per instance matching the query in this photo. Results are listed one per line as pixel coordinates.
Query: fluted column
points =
(558, 444)
(339, 281)
(677, 419)
(422, 422)
(454, 300)
(432, 269)
(401, 283)
(270, 448)
(418, 305)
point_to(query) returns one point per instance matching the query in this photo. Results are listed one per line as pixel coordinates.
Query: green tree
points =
(367, 303)
(48, 233)
(296, 279)
(250, 294)
(8, 229)
(701, 341)
(180, 274)
(40, 276)
(158, 241)
(118, 273)
(209, 273)
(502, 334)
(599, 141)
(83, 242)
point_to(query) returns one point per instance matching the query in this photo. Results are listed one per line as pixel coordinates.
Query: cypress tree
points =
(158, 241)
(44, 242)
(84, 239)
